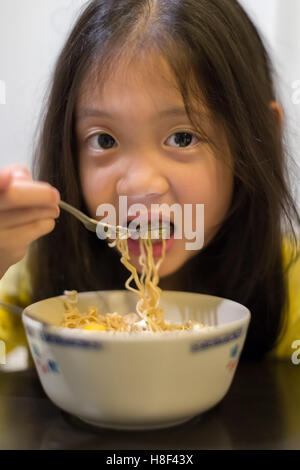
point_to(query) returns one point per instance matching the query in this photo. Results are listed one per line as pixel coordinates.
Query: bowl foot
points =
(135, 426)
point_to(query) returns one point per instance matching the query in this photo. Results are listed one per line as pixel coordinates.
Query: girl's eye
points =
(183, 139)
(102, 141)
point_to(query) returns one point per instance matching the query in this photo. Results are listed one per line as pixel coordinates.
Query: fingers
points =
(24, 193)
(13, 172)
(27, 233)
(19, 172)
(16, 217)
(28, 210)
(17, 189)
(5, 179)
(14, 242)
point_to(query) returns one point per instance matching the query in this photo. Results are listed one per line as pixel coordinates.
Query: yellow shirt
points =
(284, 349)
(14, 289)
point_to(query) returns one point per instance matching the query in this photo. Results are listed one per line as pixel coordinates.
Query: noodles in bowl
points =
(149, 316)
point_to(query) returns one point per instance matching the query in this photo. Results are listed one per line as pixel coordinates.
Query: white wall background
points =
(278, 22)
(32, 33)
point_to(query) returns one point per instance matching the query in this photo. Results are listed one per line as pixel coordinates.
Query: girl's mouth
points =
(134, 245)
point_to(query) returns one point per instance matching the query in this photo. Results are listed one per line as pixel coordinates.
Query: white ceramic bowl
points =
(137, 381)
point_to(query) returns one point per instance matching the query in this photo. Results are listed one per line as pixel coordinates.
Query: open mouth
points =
(163, 229)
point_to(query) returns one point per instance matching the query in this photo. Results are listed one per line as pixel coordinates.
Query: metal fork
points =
(91, 224)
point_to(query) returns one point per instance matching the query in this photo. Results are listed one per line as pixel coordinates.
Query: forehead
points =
(148, 80)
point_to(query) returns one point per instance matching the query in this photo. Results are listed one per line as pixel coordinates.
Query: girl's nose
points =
(143, 180)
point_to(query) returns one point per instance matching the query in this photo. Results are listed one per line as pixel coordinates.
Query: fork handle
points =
(72, 210)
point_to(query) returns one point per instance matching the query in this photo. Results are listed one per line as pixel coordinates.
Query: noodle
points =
(149, 315)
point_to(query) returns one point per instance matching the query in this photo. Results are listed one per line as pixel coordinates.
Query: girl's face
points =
(136, 140)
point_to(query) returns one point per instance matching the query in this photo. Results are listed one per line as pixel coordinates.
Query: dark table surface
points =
(260, 411)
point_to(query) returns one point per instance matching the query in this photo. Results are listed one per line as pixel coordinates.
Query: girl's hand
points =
(28, 211)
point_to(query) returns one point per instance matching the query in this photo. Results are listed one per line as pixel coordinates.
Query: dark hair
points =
(218, 58)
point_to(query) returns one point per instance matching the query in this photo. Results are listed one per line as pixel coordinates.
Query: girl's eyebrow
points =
(92, 112)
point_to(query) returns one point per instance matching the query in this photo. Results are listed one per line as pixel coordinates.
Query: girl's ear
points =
(278, 114)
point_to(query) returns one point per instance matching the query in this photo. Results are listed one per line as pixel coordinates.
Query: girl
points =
(162, 101)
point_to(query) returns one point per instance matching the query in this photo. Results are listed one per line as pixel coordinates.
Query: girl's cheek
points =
(211, 186)
(89, 185)
(86, 181)
(98, 186)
